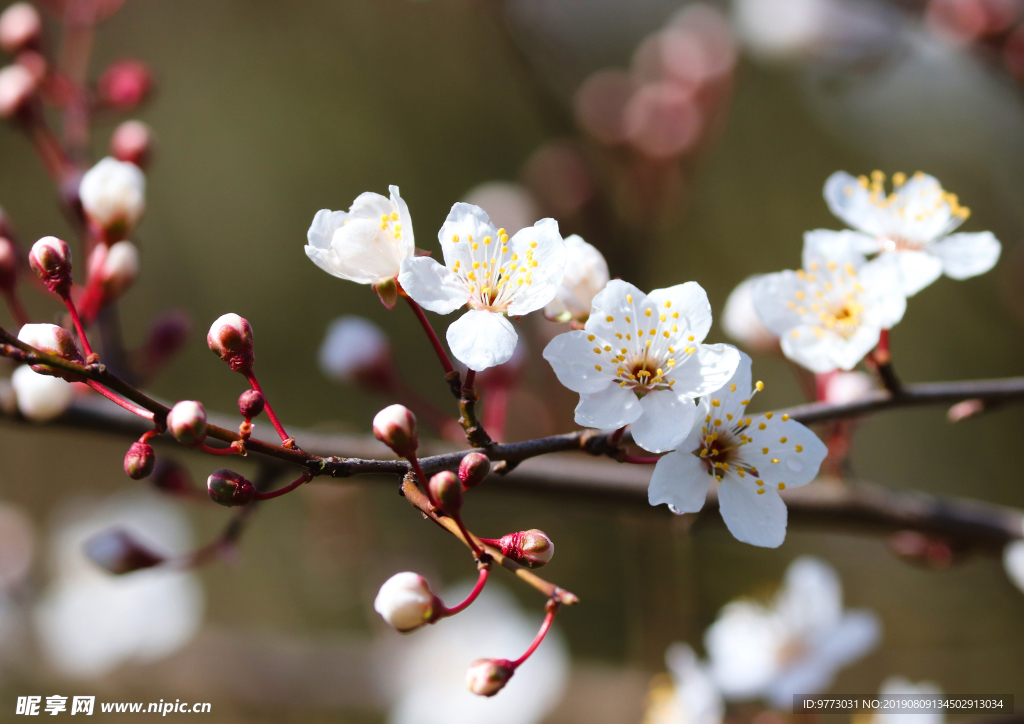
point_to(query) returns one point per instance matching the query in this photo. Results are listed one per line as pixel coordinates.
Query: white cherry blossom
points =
(793, 645)
(113, 195)
(640, 361)
(742, 323)
(751, 457)
(586, 274)
(914, 223)
(904, 690)
(41, 397)
(494, 275)
(831, 313)
(365, 244)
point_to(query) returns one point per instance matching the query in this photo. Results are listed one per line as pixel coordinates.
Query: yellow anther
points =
(783, 439)
(628, 319)
(759, 385)
(662, 318)
(533, 244)
(799, 448)
(609, 318)
(668, 304)
(775, 460)
(728, 416)
(476, 265)
(769, 415)
(899, 178)
(671, 350)
(761, 426)
(475, 246)
(597, 350)
(607, 348)
(732, 387)
(629, 298)
(689, 338)
(514, 257)
(785, 418)
(764, 450)
(782, 486)
(744, 402)
(718, 422)
(590, 338)
(647, 312)
(760, 491)
(760, 482)
(597, 367)
(715, 403)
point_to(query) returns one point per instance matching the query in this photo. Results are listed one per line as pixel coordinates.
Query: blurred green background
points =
(268, 111)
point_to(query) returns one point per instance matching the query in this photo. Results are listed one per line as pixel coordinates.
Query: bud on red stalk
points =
(473, 469)
(8, 265)
(51, 339)
(486, 677)
(230, 337)
(395, 426)
(20, 27)
(133, 142)
(229, 488)
(114, 268)
(125, 84)
(118, 552)
(17, 88)
(139, 461)
(187, 422)
(50, 258)
(251, 403)
(405, 601)
(446, 489)
(531, 548)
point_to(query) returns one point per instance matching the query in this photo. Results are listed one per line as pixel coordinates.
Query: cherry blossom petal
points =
(464, 222)
(408, 241)
(824, 246)
(706, 370)
(884, 299)
(364, 253)
(918, 269)
(691, 301)
(967, 255)
(608, 409)
(569, 355)
(770, 293)
(480, 339)
(755, 518)
(851, 202)
(667, 419)
(784, 451)
(547, 266)
(681, 480)
(321, 231)
(432, 286)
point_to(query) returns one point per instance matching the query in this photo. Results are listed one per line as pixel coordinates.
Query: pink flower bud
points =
(251, 403)
(171, 477)
(486, 677)
(187, 422)
(405, 601)
(118, 552)
(51, 339)
(125, 84)
(133, 142)
(20, 27)
(8, 266)
(446, 489)
(531, 548)
(17, 87)
(230, 338)
(473, 469)
(229, 488)
(115, 268)
(395, 426)
(50, 258)
(139, 461)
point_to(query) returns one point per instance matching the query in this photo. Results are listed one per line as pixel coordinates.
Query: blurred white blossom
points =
(510, 205)
(429, 680)
(1013, 563)
(586, 274)
(753, 458)
(795, 644)
(89, 621)
(897, 686)
(913, 223)
(492, 274)
(367, 243)
(741, 322)
(844, 387)
(831, 313)
(41, 398)
(353, 346)
(113, 194)
(640, 361)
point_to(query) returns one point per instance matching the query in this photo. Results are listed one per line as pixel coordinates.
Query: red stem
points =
(635, 460)
(467, 385)
(145, 414)
(496, 412)
(216, 450)
(17, 310)
(78, 326)
(266, 407)
(544, 628)
(883, 341)
(301, 480)
(445, 611)
(438, 347)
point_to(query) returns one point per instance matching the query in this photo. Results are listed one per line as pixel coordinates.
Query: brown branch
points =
(418, 499)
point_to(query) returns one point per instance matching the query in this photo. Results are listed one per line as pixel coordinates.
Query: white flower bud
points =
(116, 267)
(586, 274)
(355, 350)
(741, 322)
(20, 27)
(17, 85)
(187, 422)
(395, 426)
(50, 259)
(486, 677)
(8, 265)
(113, 195)
(230, 338)
(50, 338)
(405, 601)
(843, 387)
(41, 398)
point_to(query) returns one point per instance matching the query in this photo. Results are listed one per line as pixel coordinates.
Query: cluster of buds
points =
(230, 489)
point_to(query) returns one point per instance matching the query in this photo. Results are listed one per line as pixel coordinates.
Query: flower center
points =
(918, 204)
(828, 299)
(494, 274)
(389, 224)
